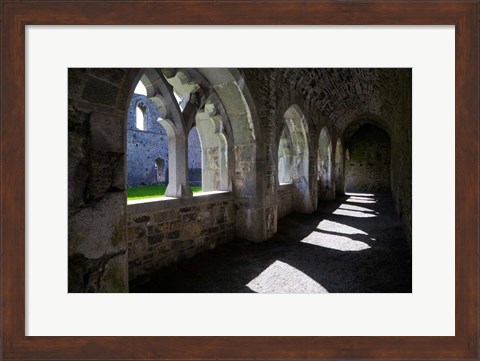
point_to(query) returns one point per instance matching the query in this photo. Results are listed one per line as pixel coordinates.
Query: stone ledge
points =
(285, 187)
(170, 203)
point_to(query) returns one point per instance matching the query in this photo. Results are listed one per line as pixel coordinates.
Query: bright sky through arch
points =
(140, 89)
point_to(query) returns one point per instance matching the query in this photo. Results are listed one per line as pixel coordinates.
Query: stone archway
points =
(324, 166)
(98, 104)
(161, 170)
(339, 169)
(368, 169)
(285, 158)
(298, 130)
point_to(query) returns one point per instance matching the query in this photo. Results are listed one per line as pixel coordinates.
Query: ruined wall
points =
(147, 149)
(401, 147)
(97, 252)
(163, 232)
(368, 167)
(277, 96)
(98, 104)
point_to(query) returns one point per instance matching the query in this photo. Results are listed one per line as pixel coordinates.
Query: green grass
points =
(154, 191)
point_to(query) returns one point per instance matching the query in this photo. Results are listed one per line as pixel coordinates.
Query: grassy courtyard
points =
(152, 191)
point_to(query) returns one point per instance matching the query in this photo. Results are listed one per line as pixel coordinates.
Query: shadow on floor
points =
(354, 244)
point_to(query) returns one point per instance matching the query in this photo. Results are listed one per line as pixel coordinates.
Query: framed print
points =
(256, 113)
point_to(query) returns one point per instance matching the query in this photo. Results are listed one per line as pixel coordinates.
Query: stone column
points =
(178, 175)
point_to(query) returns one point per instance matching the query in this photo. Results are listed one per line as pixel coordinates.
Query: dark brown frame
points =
(463, 14)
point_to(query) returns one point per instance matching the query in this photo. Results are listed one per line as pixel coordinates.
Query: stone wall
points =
(401, 148)
(147, 148)
(97, 251)
(368, 167)
(285, 200)
(163, 232)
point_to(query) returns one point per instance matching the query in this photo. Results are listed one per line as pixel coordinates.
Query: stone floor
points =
(352, 244)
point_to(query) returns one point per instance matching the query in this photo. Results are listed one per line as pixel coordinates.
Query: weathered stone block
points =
(155, 229)
(100, 92)
(135, 232)
(115, 276)
(135, 262)
(164, 216)
(188, 217)
(179, 245)
(112, 75)
(173, 235)
(142, 219)
(75, 82)
(161, 249)
(100, 229)
(102, 170)
(107, 133)
(176, 225)
(77, 172)
(163, 261)
(192, 231)
(155, 239)
(213, 230)
(220, 219)
(147, 256)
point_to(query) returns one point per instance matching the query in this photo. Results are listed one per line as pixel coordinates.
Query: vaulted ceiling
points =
(339, 95)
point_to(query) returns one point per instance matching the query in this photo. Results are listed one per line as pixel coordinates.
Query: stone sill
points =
(285, 186)
(168, 203)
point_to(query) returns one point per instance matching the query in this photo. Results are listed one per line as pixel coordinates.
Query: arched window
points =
(339, 168)
(324, 166)
(297, 128)
(182, 100)
(161, 170)
(368, 168)
(183, 138)
(285, 159)
(194, 159)
(140, 89)
(140, 117)
(214, 148)
(147, 148)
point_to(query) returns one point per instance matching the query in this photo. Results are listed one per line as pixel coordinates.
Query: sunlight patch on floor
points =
(352, 207)
(346, 212)
(360, 194)
(280, 277)
(361, 200)
(339, 243)
(337, 227)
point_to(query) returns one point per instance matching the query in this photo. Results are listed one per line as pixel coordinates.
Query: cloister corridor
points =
(235, 180)
(354, 244)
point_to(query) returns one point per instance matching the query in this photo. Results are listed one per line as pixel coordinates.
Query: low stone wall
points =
(162, 232)
(285, 200)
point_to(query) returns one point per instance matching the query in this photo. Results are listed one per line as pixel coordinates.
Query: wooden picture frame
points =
(463, 14)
